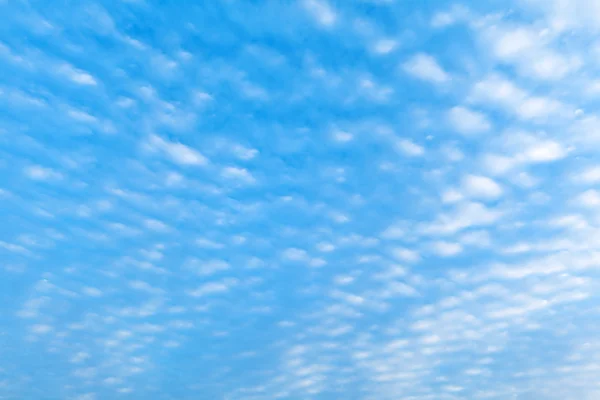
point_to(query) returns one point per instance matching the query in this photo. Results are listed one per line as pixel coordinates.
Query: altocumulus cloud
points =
(307, 199)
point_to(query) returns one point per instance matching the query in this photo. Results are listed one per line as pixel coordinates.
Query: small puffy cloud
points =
(530, 50)
(446, 249)
(39, 173)
(498, 164)
(465, 215)
(404, 254)
(543, 151)
(295, 254)
(510, 43)
(79, 357)
(211, 267)
(41, 329)
(589, 198)
(450, 17)
(244, 153)
(425, 67)
(237, 174)
(76, 75)
(394, 232)
(342, 136)
(92, 291)
(176, 152)
(325, 247)
(343, 280)
(590, 175)
(156, 225)
(467, 121)
(479, 238)
(452, 196)
(409, 148)
(538, 107)
(481, 187)
(321, 12)
(384, 46)
(498, 91)
(212, 288)
(209, 244)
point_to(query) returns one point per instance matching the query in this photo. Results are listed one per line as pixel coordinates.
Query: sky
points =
(305, 200)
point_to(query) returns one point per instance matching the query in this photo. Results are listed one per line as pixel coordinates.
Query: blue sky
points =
(248, 200)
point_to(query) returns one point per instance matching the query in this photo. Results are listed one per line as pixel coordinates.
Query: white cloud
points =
(41, 329)
(404, 254)
(425, 67)
(325, 247)
(244, 153)
(476, 238)
(209, 244)
(156, 225)
(295, 254)
(529, 49)
(385, 46)
(465, 215)
(211, 267)
(481, 187)
(79, 357)
(454, 15)
(590, 175)
(343, 280)
(543, 151)
(496, 90)
(76, 75)
(176, 152)
(321, 12)
(589, 198)
(237, 174)
(342, 136)
(446, 249)
(394, 232)
(39, 173)
(467, 121)
(91, 291)
(563, 15)
(212, 288)
(409, 148)
(452, 196)
(539, 107)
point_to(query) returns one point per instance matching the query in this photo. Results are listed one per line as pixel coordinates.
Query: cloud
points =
(404, 254)
(324, 202)
(495, 90)
(385, 46)
(589, 198)
(465, 215)
(176, 152)
(425, 67)
(295, 254)
(446, 249)
(321, 12)
(76, 75)
(530, 50)
(590, 175)
(481, 187)
(342, 137)
(39, 173)
(92, 291)
(467, 121)
(212, 288)
(237, 174)
(409, 148)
